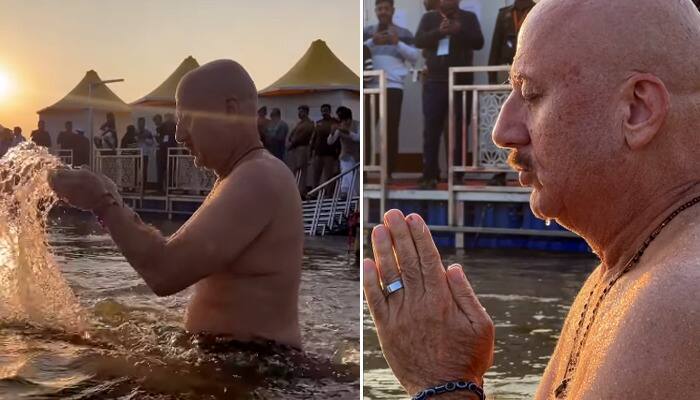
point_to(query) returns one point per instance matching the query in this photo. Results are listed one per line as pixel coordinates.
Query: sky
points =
(46, 46)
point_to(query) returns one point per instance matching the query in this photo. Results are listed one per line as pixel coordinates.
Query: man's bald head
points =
(216, 107)
(614, 38)
(606, 95)
(221, 86)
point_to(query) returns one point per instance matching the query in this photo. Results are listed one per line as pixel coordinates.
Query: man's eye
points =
(530, 96)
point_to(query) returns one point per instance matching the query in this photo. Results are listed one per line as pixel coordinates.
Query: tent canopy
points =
(164, 95)
(102, 97)
(317, 70)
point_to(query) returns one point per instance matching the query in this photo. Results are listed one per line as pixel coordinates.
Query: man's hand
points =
(379, 38)
(81, 188)
(454, 27)
(434, 330)
(392, 36)
(445, 26)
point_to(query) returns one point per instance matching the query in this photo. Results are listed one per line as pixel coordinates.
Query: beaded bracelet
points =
(451, 387)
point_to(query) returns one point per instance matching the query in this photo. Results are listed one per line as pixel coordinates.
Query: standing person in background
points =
(298, 147)
(81, 149)
(129, 140)
(392, 51)
(17, 137)
(166, 140)
(147, 144)
(67, 138)
(324, 157)
(5, 140)
(107, 140)
(263, 123)
(448, 37)
(277, 132)
(505, 36)
(40, 136)
(349, 149)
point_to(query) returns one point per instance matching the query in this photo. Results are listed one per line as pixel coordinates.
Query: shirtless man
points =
(603, 125)
(242, 249)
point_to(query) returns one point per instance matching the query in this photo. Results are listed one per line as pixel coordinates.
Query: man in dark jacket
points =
(505, 35)
(448, 37)
(41, 137)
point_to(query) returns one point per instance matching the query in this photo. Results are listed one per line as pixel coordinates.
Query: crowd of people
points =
(153, 145)
(315, 151)
(446, 37)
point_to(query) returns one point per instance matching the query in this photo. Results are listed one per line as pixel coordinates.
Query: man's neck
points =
(622, 235)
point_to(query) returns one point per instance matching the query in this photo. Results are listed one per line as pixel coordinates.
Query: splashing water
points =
(32, 289)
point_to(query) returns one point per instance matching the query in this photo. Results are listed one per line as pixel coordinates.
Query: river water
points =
(527, 294)
(76, 321)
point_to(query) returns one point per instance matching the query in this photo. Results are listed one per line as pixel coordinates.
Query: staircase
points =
(328, 207)
(328, 217)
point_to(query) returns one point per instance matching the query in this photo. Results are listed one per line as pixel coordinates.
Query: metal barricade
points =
(184, 177)
(123, 166)
(66, 156)
(375, 121)
(486, 103)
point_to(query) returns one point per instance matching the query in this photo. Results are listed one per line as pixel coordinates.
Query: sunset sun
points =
(5, 86)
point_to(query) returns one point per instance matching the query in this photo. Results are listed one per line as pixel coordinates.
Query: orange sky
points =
(47, 46)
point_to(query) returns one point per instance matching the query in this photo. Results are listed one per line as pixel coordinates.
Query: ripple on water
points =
(130, 344)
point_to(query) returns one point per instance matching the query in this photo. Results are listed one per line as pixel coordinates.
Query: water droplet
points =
(548, 222)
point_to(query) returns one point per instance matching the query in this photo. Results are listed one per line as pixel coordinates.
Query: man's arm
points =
(470, 31)
(428, 36)
(408, 52)
(302, 135)
(210, 242)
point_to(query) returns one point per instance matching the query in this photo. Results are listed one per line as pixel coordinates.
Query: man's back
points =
(257, 297)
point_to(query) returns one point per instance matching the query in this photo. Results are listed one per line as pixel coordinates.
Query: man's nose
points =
(180, 134)
(511, 130)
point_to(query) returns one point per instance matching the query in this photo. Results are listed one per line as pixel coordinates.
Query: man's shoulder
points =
(403, 32)
(431, 17)
(503, 11)
(465, 14)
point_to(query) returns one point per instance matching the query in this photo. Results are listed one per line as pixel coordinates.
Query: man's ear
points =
(232, 106)
(646, 103)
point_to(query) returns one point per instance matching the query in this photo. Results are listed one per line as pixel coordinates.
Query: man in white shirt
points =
(392, 50)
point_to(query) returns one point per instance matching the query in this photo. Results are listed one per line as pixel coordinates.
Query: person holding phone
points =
(392, 51)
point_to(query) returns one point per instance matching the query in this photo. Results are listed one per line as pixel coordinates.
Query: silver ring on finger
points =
(393, 287)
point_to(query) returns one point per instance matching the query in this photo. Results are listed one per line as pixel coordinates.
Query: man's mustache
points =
(519, 161)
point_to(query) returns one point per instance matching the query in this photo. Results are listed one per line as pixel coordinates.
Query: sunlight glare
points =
(5, 85)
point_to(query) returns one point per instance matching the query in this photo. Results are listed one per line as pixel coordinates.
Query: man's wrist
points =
(414, 389)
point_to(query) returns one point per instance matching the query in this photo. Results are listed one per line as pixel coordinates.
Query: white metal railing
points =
(184, 176)
(486, 103)
(66, 156)
(123, 166)
(375, 116)
(340, 202)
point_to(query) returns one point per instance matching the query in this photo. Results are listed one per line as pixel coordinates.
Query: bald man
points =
(603, 125)
(242, 250)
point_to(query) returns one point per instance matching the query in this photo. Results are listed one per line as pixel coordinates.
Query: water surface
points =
(135, 346)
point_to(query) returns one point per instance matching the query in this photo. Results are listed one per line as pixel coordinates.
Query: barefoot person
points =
(242, 249)
(603, 125)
